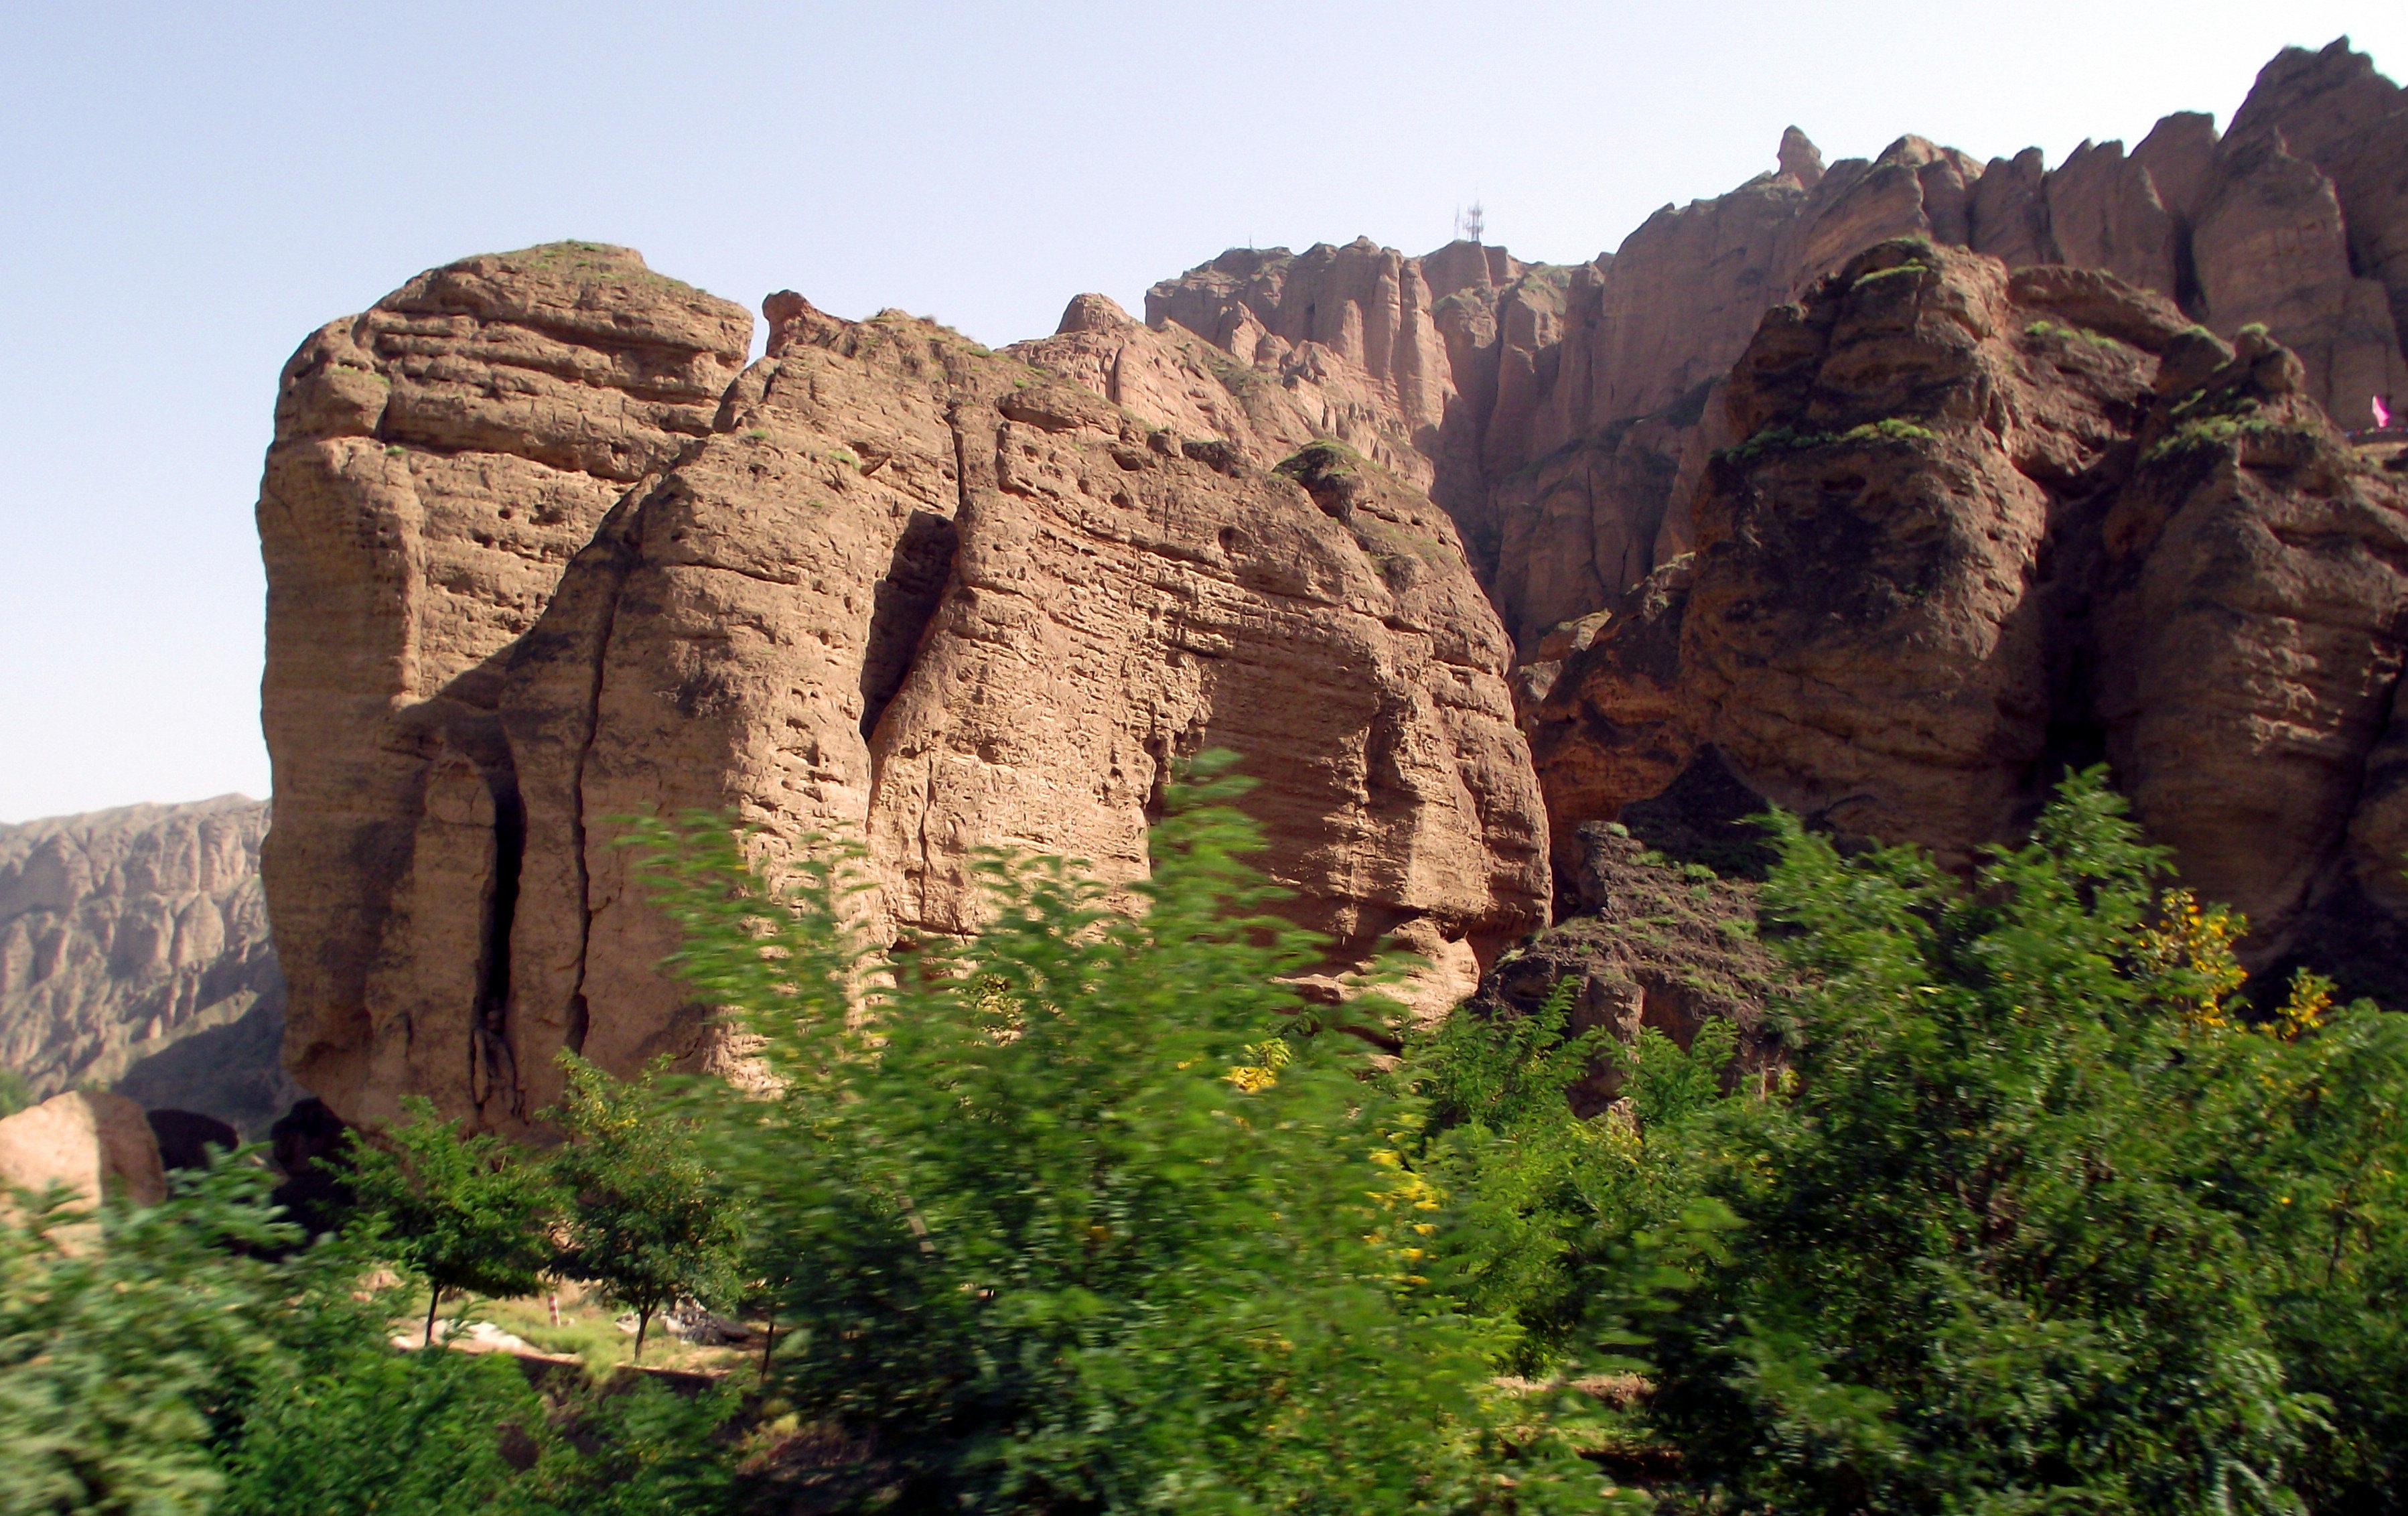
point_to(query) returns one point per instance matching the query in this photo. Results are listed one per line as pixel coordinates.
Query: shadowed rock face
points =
(135, 954)
(1567, 413)
(1646, 945)
(1988, 523)
(883, 581)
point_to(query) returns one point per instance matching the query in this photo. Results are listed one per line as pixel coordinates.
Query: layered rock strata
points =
(881, 582)
(1568, 412)
(134, 952)
(1986, 524)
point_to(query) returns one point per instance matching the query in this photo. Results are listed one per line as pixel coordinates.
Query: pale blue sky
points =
(191, 196)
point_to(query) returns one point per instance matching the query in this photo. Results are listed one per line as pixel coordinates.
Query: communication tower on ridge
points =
(1470, 222)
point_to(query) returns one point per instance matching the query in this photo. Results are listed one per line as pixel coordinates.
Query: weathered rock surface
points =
(1566, 412)
(93, 1143)
(1652, 940)
(544, 551)
(1986, 523)
(893, 584)
(135, 954)
(438, 460)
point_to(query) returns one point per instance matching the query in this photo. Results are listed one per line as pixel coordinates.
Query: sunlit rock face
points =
(881, 582)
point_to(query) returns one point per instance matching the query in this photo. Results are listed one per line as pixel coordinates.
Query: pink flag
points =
(2382, 414)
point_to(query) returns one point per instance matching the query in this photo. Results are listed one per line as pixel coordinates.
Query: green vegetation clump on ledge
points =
(1774, 439)
(2212, 420)
(594, 260)
(2046, 330)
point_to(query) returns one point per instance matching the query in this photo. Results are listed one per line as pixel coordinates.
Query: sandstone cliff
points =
(1984, 523)
(135, 954)
(540, 557)
(543, 552)
(1568, 412)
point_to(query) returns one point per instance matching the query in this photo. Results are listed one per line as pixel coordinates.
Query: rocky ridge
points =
(1988, 524)
(134, 954)
(545, 552)
(1568, 412)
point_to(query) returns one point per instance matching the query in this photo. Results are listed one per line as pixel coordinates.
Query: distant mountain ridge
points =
(135, 955)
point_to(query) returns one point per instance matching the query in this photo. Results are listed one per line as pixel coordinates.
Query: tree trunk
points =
(434, 1298)
(643, 1319)
(769, 1341)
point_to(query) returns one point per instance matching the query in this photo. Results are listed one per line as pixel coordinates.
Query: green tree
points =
(192, 1359)
(1573, 1230)
(2050, 1224)
(646, 1218)
(15, 1094)
(463, 1214)
(1093, 1219)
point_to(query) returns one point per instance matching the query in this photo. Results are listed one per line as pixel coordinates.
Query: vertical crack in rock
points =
(493, 1043)
(906, 598)
(551, 710)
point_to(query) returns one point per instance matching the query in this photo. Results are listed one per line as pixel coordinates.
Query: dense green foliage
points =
(1087, 1219)
(1571, 1231)
(644, 1218)
(166, 1361)
(2048, 1225)
(1092, 1214)
(461, 1212)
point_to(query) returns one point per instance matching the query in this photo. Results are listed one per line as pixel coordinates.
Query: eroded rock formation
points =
(438, 460)
(134, 952)
(1570, 421)
(2051, 482)
(884, 581)
(1986, 524)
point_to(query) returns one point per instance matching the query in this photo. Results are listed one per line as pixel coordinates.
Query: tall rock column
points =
(437, 462)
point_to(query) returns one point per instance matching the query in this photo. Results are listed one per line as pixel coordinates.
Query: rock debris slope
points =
(889, 582)
(134, 952)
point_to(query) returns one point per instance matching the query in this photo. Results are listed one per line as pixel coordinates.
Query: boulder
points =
(97, 1145)
(185, 1137)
